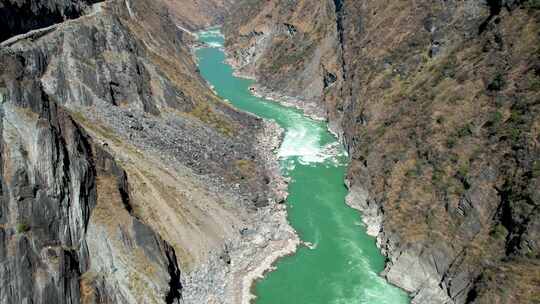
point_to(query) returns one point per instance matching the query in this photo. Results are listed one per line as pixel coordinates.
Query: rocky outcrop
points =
(120, 167)
(291, 48)
(67, 235)
(437, 103)
(18, 17)
(198, 14)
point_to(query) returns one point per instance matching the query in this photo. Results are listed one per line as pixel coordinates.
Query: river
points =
(343, 263)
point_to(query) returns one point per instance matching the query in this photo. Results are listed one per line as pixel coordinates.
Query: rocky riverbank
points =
(228, 274)
(309, 107)
(438, 115)
(405, 270)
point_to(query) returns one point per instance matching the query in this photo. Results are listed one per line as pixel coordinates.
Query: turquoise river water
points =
(343, 264)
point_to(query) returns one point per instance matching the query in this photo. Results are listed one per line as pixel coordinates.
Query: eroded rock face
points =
(119, 164)
(438, 109)
(291, 47)
(65, 227)
(18, 17)
(198, 14)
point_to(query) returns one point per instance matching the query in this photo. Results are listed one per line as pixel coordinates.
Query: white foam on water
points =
(303, 141)
(317, 236)
(290, 165)
(214, 44)
(377, 290)
(380, 293)
(212, 32)
(212, 37)
(310, 245)
(374, 291)
(334, 153)
(317, 239)
(353, 296)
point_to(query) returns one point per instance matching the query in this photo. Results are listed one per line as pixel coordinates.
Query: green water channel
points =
(343, 264)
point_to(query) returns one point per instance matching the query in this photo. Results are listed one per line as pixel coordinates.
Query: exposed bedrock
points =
(119, 164)
(20, 16)
(66, 232)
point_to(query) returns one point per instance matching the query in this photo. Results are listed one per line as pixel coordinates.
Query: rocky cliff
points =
(198, 14)
(120, 169)
(291, 47)
(438, 105)
(18, 17)
(67, 231)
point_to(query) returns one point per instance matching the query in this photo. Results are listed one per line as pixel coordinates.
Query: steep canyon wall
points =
(437, 103)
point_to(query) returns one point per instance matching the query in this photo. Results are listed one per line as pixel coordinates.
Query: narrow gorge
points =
(336, 262)
(269, 151)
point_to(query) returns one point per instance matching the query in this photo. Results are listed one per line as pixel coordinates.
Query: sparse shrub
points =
(534, 82)
(380, 131)
(466, 130)
(207, 115)
(440, 120)
(445, 69)
(448, 69)
(411, 173)
(458, 187)
(532, 255)
(454, 99)
(517, 117)
(437, 178)
(461, 175)
(463, 170)
(416, 171)
(495, 118)
(451, 141)
(22, 227)
(514, 133)
(500, 101)
(497, 83)
(536, 169)
(499, 232)
(246, 168)
(532, 4)
(513, 128)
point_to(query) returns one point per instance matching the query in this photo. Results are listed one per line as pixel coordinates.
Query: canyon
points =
(437, 104)
(125, 178)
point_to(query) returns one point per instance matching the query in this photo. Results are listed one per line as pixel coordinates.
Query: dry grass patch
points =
(247, 169)
(206, 114)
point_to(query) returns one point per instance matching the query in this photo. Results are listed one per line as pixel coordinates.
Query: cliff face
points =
(67, 232)
(291, 47)
(438, 107)
(198, 14)
(119, 165)
(18, 17)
